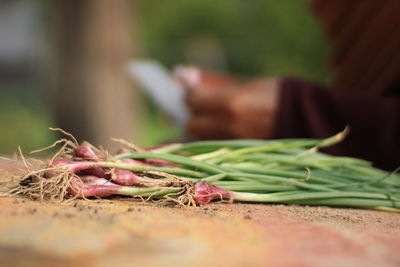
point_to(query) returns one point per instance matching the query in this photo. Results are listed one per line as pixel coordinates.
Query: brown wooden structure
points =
(94, 98)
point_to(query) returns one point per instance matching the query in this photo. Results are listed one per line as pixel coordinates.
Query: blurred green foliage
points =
(155, 127)
(24, 121)
(257, 37)
(269, 37)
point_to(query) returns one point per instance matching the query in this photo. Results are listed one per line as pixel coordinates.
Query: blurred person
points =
(364, 93)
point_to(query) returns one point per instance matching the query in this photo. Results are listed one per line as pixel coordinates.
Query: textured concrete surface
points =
(126, 232)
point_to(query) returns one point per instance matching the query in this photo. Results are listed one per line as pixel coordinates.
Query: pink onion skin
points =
(161, 163)
(74, 166)
(94, 180)
(136, 162)
(149, 162)
(80, 189)
(85, 152)
(55, 163)
(146, 162)
(205, 192)
(126, 177)
(121, 177)
(99, 172)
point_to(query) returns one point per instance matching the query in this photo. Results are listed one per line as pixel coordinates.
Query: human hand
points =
(224, 106)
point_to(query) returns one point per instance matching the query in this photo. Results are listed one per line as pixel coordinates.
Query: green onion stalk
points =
(287, 171)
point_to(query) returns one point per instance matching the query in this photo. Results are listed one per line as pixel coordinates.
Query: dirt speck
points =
(31, 211)
(69, 215)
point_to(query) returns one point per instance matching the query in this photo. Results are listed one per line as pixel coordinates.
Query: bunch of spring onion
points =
(289, 171)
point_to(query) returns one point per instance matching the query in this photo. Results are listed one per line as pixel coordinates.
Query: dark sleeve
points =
(309, 110)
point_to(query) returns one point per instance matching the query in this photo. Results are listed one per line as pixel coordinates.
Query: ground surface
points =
(125, 232)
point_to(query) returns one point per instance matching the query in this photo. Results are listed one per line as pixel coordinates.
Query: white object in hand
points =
(157, 82)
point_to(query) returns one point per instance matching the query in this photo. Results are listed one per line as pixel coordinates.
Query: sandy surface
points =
(126, 232)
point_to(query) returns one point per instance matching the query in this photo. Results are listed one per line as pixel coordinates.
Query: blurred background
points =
(62, 62)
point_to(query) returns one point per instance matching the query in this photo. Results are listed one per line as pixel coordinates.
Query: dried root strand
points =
(32, 182)
(183, 198)
(187, 197)
(69, 145)
(100, 152)
(35, 186)
(130, 146)
(67, 134)
(173, 180)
